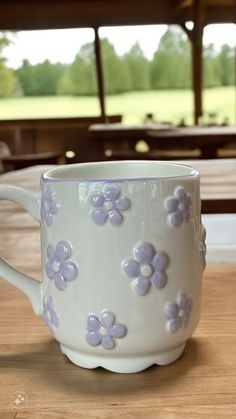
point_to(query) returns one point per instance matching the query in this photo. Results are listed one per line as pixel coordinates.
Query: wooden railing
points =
(50, 134)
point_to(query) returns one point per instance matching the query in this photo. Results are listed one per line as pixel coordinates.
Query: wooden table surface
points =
(201, 384)
(218, 184)
(160, 137)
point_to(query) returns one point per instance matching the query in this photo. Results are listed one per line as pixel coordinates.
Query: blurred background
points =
(147, 70)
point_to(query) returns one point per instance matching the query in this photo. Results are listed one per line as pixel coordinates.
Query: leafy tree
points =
(226, 61)
(170, 69)
(116, 72)
(80, 78)
(7, 79)
(40, 79)
(4, 42)
(171, 64)
(211, 70)
(139, 68)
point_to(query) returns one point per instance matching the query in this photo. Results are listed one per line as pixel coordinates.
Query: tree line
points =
(170, 68)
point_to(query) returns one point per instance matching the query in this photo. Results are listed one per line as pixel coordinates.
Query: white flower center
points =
(146, 271)
(108, 205)
(181, 312)
(103, 331)
(181, 206)
(56, 266)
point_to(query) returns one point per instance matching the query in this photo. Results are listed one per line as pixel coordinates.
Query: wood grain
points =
(200, 385)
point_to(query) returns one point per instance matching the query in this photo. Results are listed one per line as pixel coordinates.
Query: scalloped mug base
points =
(122, 364)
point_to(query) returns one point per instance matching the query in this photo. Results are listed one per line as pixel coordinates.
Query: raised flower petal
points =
(49, 270)
(178, 313)
(48, 192)
(181, 299)
(107, 319)
(57, 267)
(186, 216)
(49, 205)
(148, 268)
(104, 330)
(111, 192)
(179, 207)
(53, 207)
(69, 270)
(123, 203)
(93, 323)
(108, 204)
(144, 253)
(171, 310)
(115, 217)
(160, 261)
(50, 253)
(59, 281)
(108, 342)
(188, 201)
(131, 268)
(158, 279)
(180, 193)
(49, 303)
(93, 338)
(174, 324)
(171, 204)
(54, 318)
(48, 217)
(50, 316)
(97, 199)
(42, 212)
(118, 330)
(141, 286)
(176, 218)
(99, 216)
(188, 306)
(63, 251)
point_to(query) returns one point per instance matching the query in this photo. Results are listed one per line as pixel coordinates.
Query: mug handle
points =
(30, 286)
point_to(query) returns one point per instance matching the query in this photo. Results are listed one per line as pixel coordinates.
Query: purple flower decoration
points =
(49, 206)
(109, 204)
(49, 313)
(58, 267)
(148, 267)
(202, 247)
(178, 207)
(104, 330)
(178, 314)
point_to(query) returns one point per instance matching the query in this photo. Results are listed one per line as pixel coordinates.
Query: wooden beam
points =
(99, 71)
(184, 3)
(56, 14)
(197, 33)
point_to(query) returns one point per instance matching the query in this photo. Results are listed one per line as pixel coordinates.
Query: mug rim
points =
(50, 175)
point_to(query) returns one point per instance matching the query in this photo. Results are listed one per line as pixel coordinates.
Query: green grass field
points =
(168, 105)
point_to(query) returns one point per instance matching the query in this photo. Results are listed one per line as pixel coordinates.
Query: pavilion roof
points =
(45, 14)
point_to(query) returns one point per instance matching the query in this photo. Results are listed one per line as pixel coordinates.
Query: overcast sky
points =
(62, 45)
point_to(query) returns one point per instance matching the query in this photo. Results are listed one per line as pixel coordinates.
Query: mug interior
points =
(120, 170)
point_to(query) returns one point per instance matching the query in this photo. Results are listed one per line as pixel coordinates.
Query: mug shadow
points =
(57, 372)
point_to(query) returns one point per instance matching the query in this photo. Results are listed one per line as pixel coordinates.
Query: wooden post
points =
(197, 34)
(99, 71)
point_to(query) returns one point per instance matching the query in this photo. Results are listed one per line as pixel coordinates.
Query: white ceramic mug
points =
(123, 251)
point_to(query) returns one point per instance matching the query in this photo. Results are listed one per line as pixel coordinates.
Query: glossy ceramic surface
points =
(122, 261)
